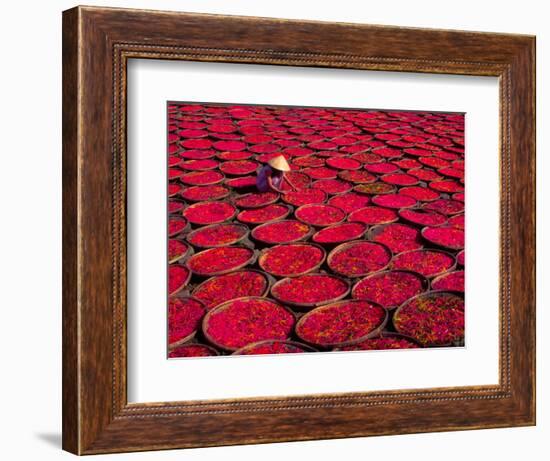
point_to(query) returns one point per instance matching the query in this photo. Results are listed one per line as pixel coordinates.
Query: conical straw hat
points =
(279, 163)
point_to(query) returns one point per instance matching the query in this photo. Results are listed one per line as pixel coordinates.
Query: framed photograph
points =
(265, 229)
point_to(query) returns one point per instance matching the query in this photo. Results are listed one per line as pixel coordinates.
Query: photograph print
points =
(313, 229)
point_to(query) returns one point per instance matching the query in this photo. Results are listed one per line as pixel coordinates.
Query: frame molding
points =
(97, 43)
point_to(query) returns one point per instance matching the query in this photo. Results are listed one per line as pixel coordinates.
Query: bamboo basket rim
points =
(440, 245)
(348, 156)
(310, 205)
(194, 232)
(446, 179)
(352, 243)
(211, 199)
(386, 334)
(227, 182)
(463, 253)
(355, 182)
(211, 183)
(250, 261)
(371, 334)
(268, 283)
(289, 209)
(361, 235)
(264, 254)
(441, 276)
(377, 228)
(350, 215)
(385, 176)
(420, 208)
(236, 175)
(178, 199)
(426, 206)
(426, 167)
(424, 280)
(187, 170)
(183, 230)
(311, 304)
(306, 236)
(224, 305)
(188, 252)
(197, 204)
(390, 191)
(285, 196)
(307, 347)
(426, 294)
(187, 279)
(218, 154)
(191, 335)
(437, 250)
(333, 194)
(394, 207)
(254, 207)
(368, 151)
(313, 178)
(385, 160)
(189, 344)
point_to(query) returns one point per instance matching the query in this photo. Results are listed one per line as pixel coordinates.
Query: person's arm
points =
(272, 185)
(290, 183)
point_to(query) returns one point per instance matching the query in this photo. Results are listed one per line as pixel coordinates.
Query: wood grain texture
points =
(70, 382)
(97, 43)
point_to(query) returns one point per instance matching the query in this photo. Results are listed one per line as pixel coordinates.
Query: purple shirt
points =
(265, 172)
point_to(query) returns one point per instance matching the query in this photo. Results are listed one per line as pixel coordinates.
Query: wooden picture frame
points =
(97, 43)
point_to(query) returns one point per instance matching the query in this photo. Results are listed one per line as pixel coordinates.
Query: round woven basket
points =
(183, 230)
(191, 335)
(269, 281)
(385, 178)
(374, 231)
(345, 246)
(352, 217)
(423, 281)
(365, 189)
(271, 201)
(217, 309)
(185, 165)
(250, 261)
(425, 295)
(285, 198)
(185, 283)
(342, 175)
(289, 208)
(420, 209)
(442, 276)
(211, 183)
(213, 351)
(387, 334)
(460, 256)
(335, 243)
(199, 204)
(372, 333)
(448, 269)
(323, 224)
(265, 253)
(441, 245)
(316, 185)
(245, 233)
(306, 305)
(183, 257)
(179, 202)
(194, 200)
(256, 230)
(243, 350)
